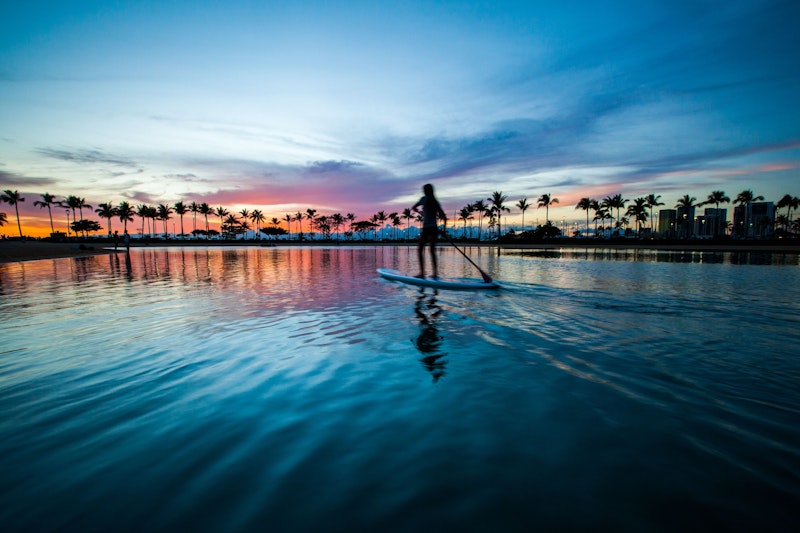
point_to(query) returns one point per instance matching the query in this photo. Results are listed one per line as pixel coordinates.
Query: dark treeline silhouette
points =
(611, 217)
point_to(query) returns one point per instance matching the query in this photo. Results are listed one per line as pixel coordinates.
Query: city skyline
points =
(351, 107)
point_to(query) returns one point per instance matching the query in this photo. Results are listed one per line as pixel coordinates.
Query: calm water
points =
(292, 389)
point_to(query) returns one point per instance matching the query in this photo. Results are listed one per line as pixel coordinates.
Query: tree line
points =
(619, 211)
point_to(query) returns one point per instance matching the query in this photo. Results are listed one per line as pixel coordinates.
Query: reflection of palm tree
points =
(429, 341)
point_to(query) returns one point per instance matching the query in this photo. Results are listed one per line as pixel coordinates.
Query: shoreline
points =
(12, 251)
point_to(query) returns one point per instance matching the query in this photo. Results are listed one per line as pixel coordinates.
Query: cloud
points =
(18, 181)
(91, 156)
(331, 166)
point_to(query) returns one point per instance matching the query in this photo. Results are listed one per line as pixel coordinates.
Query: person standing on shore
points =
(431, 212)
(127, 240)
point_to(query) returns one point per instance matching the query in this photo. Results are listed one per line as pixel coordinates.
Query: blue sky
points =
(352, 106)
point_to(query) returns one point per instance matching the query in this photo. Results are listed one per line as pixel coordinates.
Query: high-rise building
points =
(667, 223)
(755, 220)
(711, 223)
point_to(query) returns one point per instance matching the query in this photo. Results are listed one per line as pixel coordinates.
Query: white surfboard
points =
(463, 284)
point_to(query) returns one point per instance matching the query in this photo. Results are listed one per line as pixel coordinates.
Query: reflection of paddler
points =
(429, 341)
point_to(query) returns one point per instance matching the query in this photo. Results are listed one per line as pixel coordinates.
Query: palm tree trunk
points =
(19, 227)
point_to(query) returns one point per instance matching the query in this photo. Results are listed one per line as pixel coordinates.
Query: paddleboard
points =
(463, 284)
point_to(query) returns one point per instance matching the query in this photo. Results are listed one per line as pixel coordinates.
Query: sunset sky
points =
(352, 106)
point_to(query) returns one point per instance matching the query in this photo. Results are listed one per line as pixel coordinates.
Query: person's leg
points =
(421, 255)
(433, 256)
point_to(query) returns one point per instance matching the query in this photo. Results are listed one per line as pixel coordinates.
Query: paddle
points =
(486, 277)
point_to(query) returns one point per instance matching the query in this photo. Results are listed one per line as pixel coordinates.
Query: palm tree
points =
(180, 210)
(3, 219)
(143, 211)
(496, 200)
(600, 214)
(194, 208)
(586, 204)
(618, 202)
(789, 202)
(245, 216)
(206, 210)
(221, 212)
(716, 198)
(13, 198)
(163, 213)
(288, 218)
(652, 200)
(523, 206)
(73, 203)
(46, 201)
(81, 203)
(310, 214)
(464, 215)
(381, 218)
(546, 201)
(687, 203)
(480, 207)
(351, 219)
(125, 213)
(408, 215)
(107, 211)
(258, 218)
(298, 217)
(638, 210)
(337, 219)
(228, 225)
(745, 198)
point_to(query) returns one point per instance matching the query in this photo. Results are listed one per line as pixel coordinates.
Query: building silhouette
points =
(712, 223)
(667, 223)
(754, 220)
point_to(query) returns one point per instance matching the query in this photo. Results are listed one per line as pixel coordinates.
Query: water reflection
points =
(429, 341)
(750, 257)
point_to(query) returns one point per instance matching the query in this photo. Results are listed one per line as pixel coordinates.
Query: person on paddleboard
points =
(431, 212)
